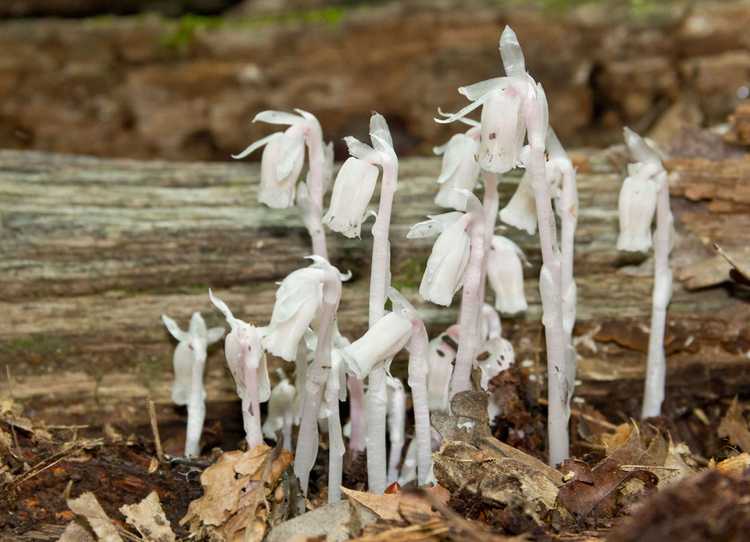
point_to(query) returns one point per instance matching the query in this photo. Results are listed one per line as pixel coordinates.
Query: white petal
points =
(359, 150)
(478, 90)
(223, 308)
(441, 358)
(257, 145)
(503, 131)
(278, 192)
(520, 212)
(198, 326)
(277, 117)
(444, 273)
(352, 192)
(512, 54)
(639, 148)
(174, 329)
(381, 342)
(379, 128)
(505, 275)
(636, 206)
(460, 114)
(434, 226)
(183, 374)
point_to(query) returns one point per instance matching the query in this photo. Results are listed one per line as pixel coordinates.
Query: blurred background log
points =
(186, 87)
(95, 250)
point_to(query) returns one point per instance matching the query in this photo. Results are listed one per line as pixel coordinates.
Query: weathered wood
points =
(739, 125)
(95, 250)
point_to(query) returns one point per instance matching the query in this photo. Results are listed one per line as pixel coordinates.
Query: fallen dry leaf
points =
(233, 490)
(149, 519)
(392, 506)
(734, 427)
(734, 466)
(89, 508)
(75, 532)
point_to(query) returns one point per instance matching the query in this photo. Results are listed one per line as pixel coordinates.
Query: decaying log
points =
(93, 251)
(739, 123)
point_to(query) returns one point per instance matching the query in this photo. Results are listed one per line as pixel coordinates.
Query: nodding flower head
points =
(444, 273)
(505, 273)
(460, 169)
(520, 212)
(352, 191)
(381, 152)
(442, 355)
(378, 345)
(638, 196)
(190, 350)
(298, 300)
(505, 103)
(244, 350)
(284, 155)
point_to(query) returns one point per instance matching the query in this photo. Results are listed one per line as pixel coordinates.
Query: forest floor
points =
(683, 476)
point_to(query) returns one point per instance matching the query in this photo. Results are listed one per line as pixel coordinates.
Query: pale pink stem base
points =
(662, 293)
(356, 413)
(251, 410)
(418, 369)
(196, 412)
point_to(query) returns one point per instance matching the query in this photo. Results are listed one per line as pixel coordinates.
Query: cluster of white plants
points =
(513, 133)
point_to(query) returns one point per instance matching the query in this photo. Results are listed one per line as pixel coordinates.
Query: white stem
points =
(396, 430)
(569, 221)
(356, 413)
(251, 409)
(336, 449)
(418, 369)
(316, 158)
(662, 293)
(300, 377)
(471, 306)
(196, 412)
(308, 438)
(376, 402)
(557, 409)
(286, 430)
(491, 204)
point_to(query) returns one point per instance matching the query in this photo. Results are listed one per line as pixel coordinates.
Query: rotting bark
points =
(95, 250)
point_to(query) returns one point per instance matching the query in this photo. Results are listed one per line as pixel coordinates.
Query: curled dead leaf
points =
(149, 519)
(734, 427)
(88, 508)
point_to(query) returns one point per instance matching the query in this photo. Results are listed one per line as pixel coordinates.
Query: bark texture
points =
(95, 250)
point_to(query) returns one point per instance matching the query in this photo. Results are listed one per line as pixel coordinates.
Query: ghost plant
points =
(280, 416)
(322, 284)
(370, 353)
(247, 363)
(505, 274)
(189, 362)
(396, 425)
(419, 367)
(346, 215)
(514, 107)
(460, 169)
(441, 357)
(281, 165)
(645, 192)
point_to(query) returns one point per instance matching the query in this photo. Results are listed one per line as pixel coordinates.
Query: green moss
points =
(34, 344)
(408, 274)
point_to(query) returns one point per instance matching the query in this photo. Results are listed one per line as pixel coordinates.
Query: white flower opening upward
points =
(189, 363)
(281, 165)
(645, 190)
(247, 363)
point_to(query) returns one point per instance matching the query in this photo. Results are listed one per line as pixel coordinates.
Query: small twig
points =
(646, 467)
(155, 431)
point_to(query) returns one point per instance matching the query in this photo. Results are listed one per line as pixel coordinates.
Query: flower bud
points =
(352, 191)
(444, 273)
(505, 274)
(636, 206)
(460, 170)
(381, 342)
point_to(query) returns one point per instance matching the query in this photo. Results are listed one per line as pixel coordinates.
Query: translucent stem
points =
(315, 189)
(356, 413)
(251, 409)
(662, 293)
(376, 403)
(418, 369)
(196, 412)
(336, 449)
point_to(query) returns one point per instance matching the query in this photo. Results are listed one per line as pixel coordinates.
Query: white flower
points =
(378, 345)
(190, 350)
(243, 350)
(280, 409)
(505, 274)
(500, 357)
(352, 191)
(520, 212)
(460, 169)
(490, 324)
(283, 156)
(442, 355)
(444, 273)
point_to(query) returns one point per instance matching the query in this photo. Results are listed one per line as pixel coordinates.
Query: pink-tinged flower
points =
(297, 302)
(444, 273)
(283, 156)
(460, 169)
(352, 191)
(379, 344)
(505, 273)
(442, 355)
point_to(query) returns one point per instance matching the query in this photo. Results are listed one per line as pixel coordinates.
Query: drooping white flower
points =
(637, 206)
(284, 155)
(520, 212)
(442, 355)
(247, 363)
(503, 102)
(189, 361)
(191, 349)
(460, 168)
(500, 356)
(444, 272)
(352, 191)
(505, 273)
(491, 326)
(379, 344)
(280, 416)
